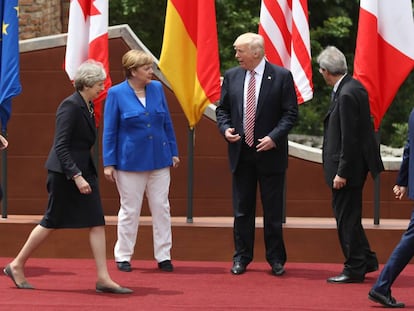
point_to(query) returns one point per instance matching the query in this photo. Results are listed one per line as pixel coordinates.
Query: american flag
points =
(285, 28)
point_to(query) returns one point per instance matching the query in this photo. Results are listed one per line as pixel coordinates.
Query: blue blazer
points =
(137, 137)
(406, 174)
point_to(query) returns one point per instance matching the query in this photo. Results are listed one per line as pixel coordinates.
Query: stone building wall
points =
(42, 18)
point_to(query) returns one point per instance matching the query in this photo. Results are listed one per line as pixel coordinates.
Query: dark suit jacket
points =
(349, 146)
(406, 174)
(276, 113)
(75, 134)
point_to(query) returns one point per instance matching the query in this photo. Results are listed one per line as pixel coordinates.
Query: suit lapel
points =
(267, 81)
(239, 90)
(85, 112)
(335, 96)
(332, 105)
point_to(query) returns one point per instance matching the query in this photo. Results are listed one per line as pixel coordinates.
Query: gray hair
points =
(332, 60)
(254, 41)
(88, 74)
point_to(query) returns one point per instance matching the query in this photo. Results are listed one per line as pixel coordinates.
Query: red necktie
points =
(250, 112)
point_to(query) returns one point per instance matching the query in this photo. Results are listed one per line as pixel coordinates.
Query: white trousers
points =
(131, 187)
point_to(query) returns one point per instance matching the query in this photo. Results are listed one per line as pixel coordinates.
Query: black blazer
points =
(349, 145)
(276, 113)
(75, 134)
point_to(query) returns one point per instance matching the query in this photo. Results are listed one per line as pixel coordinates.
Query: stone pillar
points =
(41, 17)
(65, 14)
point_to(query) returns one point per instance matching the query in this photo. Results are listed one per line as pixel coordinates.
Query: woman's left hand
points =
(3, 143)
(109, 172)
(82, 185)
(176, 161)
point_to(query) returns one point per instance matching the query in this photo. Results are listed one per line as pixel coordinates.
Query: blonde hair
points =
(134, 59)
(254, 41)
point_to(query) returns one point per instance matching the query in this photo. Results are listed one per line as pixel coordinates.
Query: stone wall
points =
(42, 18)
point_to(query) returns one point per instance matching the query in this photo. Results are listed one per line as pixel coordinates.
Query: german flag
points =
(189, 57)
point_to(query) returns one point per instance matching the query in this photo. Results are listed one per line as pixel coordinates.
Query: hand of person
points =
(176, 161)
(3, 142)
(109, 172)
(265, 143)
(339, 182)
(399, 191)
(82, 185)
(231, 135)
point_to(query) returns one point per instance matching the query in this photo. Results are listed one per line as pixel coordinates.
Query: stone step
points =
(308, 239)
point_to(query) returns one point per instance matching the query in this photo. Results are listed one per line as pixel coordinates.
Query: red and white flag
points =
(284, 26)
(384, 54)
(88, 39)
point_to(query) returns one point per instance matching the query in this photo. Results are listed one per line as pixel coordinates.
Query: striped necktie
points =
(250, 112)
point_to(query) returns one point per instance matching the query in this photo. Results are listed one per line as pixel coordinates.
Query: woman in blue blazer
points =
(139, 146)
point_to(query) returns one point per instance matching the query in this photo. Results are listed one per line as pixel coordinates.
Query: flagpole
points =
(377, 189)
(4, 177)
(190, 175)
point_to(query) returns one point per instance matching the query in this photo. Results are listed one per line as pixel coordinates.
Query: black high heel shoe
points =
(24, 285)
(113, 290)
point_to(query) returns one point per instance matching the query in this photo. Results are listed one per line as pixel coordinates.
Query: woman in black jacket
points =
(72, 183)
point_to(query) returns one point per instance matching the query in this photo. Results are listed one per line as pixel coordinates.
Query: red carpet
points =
(68, 284)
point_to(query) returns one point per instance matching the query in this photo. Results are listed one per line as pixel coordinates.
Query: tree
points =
(332, 22)
(146, 19)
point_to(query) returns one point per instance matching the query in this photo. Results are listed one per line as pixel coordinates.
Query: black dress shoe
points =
(342, 278)
(238, 268)
(371, 268)
(278, 269)
(24, 285)
(387, 301)
(112, 290)
(166, 266)
(124, 266)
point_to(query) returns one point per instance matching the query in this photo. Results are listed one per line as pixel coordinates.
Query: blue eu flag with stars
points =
(9, 58)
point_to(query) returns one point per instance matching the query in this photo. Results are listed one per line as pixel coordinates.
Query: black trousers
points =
(347, 208)
(247, 177)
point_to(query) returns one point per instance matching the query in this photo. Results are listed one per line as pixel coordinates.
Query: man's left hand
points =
(265, 143)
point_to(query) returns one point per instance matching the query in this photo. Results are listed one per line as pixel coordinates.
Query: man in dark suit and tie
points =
(257, 109)
(349, 151)
(404, 251)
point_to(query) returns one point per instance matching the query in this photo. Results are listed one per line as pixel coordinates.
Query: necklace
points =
(90, 108)
(136, 91)
(88, 103)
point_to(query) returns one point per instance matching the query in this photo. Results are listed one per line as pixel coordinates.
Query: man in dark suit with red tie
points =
(257, 109)
(349, 151)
